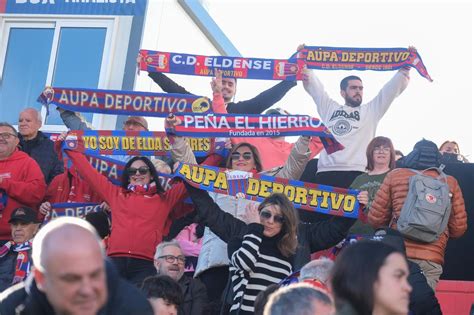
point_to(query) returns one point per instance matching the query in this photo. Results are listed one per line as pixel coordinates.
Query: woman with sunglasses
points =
(213, 264)
(141, 212)
(380, 160)
(277, 223)
(263, 256)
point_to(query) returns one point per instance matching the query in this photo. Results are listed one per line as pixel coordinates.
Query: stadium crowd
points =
(149, 251)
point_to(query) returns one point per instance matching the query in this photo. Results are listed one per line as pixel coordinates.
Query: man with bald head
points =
(71, 276)
(37, 145)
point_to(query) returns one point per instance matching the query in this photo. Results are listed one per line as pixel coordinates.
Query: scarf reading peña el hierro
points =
(124, 102)
(148, 143)
(232, 125)
(312, 197)
(313, 57)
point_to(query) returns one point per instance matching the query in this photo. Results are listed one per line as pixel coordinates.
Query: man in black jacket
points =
(71, 276)
(169, 261)
(256, 105)
(34, 143)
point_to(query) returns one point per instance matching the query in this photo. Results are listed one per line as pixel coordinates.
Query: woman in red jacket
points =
(141, 213)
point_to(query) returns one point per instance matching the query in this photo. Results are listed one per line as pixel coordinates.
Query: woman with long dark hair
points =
(213, 263)
(370, 278)
(141, 212)
(263, 256)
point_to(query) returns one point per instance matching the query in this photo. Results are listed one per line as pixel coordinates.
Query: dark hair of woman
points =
(162, 287)
(354, 273)
(380, 142)
(288, 243)
(151, 167)
(255, 154)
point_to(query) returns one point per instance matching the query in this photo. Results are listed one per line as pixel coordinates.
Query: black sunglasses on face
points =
(142, 170)
(236, 156)
(267, 215)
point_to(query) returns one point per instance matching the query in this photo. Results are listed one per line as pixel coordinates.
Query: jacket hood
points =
(425, 154)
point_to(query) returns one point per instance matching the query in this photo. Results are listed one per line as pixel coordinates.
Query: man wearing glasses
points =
(170, 261)
(21, 180)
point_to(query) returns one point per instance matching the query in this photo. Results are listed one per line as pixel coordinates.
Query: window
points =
(62, 52)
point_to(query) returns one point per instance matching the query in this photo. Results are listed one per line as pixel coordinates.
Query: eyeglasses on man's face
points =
(246, 156)
(171, 259)
(142, 170)
(7, 135)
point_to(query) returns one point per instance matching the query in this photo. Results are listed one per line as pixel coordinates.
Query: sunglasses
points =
(236, 156)
(264, 214)
(143, 170)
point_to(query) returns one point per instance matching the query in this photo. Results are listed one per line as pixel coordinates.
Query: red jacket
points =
(138, 218)
(389, 202)
(70, 187)
(23, 183)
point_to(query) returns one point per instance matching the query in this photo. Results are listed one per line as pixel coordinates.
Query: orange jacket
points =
(389, 202)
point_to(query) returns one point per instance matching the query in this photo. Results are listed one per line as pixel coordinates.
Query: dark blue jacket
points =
(41, 149)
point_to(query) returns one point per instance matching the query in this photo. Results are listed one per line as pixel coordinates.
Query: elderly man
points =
(169, 261)
(15, 255)
(21, 180)
(299, 298)
(72, 277)
(37, 145)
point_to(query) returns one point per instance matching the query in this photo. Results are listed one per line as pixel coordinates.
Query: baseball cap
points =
(24, 214)
(277, 111)
(139, 120)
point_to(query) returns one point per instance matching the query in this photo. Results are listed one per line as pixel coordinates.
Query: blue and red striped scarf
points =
(23, 263)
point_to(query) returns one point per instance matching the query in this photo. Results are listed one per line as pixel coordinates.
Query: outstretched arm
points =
(297, 160)
(72, 121)
(221, 223)
(324, 234)
(166, 84)
(262, 101)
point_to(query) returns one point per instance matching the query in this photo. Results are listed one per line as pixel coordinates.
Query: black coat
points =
(7, 269)
(312, 237)
(123, 298)
(41, 149)
(256, 105)
(195, 296)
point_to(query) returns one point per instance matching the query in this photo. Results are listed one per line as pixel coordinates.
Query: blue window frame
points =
(25, 70)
